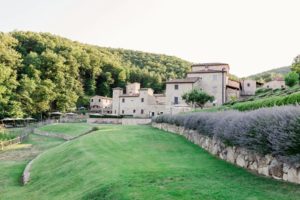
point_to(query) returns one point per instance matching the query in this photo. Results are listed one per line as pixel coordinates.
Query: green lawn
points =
(72, 129)
(139, 162)
(13, 161)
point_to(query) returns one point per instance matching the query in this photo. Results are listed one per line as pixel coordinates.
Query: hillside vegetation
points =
(267, 98)
(140, 162)
(270, 74)
(40, 72)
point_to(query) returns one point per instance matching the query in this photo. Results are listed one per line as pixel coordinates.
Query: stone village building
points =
(275, 84)
(213, 78)
(100, 104)
(137, 102)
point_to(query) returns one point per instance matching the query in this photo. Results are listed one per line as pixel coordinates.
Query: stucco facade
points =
(137, 102)
(174, 91)
(101, 104)
(213, 83)
(212, 78)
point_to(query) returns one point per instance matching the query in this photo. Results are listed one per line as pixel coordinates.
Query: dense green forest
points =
(41, 72)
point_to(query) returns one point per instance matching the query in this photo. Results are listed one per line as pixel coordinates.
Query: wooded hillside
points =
(40, 72)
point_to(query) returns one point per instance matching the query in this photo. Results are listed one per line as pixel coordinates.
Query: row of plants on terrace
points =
(267, 93)
(274, 131)
(268, 102)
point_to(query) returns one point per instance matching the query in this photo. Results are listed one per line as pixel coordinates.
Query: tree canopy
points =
(41, 72)
(197, 97)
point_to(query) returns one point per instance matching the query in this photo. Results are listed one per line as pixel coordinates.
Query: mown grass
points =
(73, 129)
(140, 162)
(13, 161)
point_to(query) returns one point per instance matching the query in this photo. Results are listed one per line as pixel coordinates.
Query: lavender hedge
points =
(273, 130)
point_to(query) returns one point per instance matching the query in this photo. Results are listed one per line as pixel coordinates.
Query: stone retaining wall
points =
(26, 173)
(135, 121)
(264, 165)
(123, 121)
(105, 120)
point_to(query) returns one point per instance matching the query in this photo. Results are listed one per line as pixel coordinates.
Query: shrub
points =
(291, 79)
(273, 131)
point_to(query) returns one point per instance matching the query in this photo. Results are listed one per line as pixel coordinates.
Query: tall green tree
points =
(41, 72)
(10, 61)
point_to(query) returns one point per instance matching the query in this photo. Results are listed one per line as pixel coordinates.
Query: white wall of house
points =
(101, 104)
(133, 88)
(211, 83)
(142, 104)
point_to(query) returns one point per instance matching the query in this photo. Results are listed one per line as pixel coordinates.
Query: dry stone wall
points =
(123, 121)
(265, 165)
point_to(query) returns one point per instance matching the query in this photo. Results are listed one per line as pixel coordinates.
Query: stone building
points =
(137, 102)
(275, 84)
(248, 87)
(100, 104)
(212, 78)
(175, 89)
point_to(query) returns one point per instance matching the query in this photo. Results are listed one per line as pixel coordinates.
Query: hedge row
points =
(268, 102)
(109, 116)
(273, 131)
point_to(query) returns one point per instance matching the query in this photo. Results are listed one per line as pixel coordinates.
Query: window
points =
(122, 111)
(176, 100)
(123, 100)
(99, 100)
(215, 77)
(248, 84)
(142, 99)
(133, 111)
(268, 86)
(142, 111)
(115, 112)
(92, 100)
(152, 114)
(176, 87)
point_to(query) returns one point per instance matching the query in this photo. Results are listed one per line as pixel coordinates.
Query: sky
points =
(250, 35)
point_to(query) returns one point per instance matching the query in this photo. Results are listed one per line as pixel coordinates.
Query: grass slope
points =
(140, 162)
(72, 129)
(13, 161)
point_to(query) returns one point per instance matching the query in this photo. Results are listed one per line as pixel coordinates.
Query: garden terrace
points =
(137, 162)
